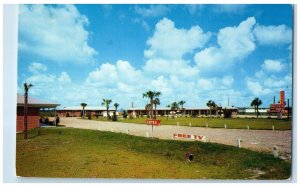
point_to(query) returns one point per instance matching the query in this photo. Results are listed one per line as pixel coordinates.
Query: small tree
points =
(148, 109)
(211, 104)
(106, 103)
(156, 102)
(256, 103)
(181, 103)
(116, 105)
(83, 105)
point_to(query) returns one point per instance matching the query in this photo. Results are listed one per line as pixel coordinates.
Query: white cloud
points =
(273, 35)
(256, 88)
(106, 74)
(206, 84)
(272, 65)
(167, 47)
(235, 43)
(227, 80)
(152, 11)
(64, 78)
(172, 43)
(175, 67)
(55, 32)
(36, 67)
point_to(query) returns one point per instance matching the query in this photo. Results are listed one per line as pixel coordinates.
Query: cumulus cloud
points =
(152, 11)
(104, 75)
(272, 65)
(56, 33)
(64, 77)
(234, 44)
(172, 43)
(256, 88)
(36, 67)
(273, 35)
(169, 44)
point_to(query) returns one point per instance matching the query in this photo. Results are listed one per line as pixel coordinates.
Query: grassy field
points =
(68, 152)
(231, 123)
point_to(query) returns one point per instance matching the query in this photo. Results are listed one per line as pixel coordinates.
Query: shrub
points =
(114, 117)
(227, 113)
(67, 115)
(124, 114)
(46, 120)
(89, 115)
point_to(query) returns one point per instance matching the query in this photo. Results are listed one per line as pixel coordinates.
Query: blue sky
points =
(84, 53)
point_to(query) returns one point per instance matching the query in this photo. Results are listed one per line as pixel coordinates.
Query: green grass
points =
(94, 154)
(231, 123)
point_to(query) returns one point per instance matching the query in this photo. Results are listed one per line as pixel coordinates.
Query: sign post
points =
(153, 122)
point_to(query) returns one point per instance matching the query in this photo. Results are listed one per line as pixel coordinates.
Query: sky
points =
(226, 53)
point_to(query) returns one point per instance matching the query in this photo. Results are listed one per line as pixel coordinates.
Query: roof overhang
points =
(39, 105)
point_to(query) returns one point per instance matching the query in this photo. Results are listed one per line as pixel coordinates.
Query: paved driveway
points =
(259, 140)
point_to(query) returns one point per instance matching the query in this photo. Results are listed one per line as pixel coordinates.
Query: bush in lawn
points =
(46, 120)
(124, 114)
(67, 115)
(130, 116)
(227, 113)
(114, 117)
(89, 116)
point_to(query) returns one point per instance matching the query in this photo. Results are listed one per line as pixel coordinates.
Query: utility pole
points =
(228, 102)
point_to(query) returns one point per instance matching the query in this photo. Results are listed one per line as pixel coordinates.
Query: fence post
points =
(239, 143)
(275, 151)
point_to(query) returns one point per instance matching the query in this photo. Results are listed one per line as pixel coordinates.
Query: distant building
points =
(33, 110)
(196, 111)
(76, 111)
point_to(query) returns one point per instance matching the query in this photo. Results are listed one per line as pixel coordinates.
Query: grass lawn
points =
(231, 123)
(69, 152)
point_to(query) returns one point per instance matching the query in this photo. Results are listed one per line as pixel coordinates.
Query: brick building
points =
(34, 106)
(76, 111)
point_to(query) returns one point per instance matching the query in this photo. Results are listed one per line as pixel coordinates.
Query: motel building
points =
(205, 111)
(76, 111)
(33, 110)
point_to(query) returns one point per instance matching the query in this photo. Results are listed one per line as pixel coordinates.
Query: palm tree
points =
(174, 106)
(256, 103)
(211, 104)
(83, 106)
(26, 89)
(106, 103)
(156, 102)
(116, 105)
(181, 103)
(147, 108)
(151, 95)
